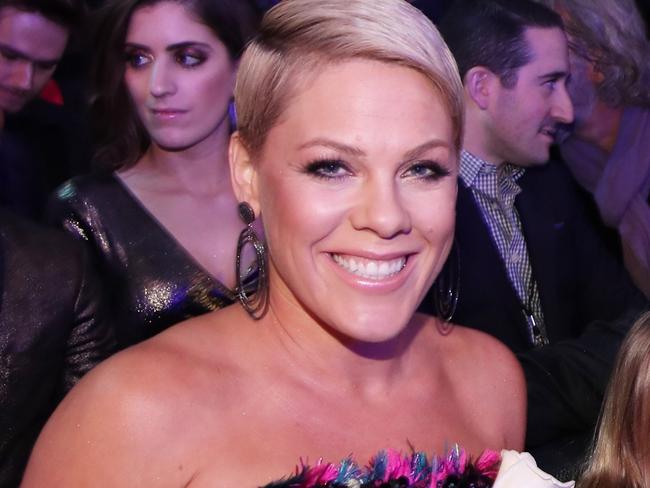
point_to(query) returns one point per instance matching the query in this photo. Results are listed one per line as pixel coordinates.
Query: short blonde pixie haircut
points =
(298, 38)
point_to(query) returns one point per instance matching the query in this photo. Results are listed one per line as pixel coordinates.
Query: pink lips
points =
(166, 113)
(386, 284)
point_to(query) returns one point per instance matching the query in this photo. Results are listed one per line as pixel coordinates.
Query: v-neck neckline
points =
(137, 203)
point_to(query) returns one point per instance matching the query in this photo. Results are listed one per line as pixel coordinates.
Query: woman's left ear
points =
(243, 173)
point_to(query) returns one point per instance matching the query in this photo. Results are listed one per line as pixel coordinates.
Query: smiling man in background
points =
(534, 271)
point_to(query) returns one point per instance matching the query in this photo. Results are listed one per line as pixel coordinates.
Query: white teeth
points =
(370, 269)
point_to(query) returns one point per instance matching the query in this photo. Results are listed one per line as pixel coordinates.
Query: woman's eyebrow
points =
(416, 152)
(181, 45)
(172, 47)
(338, 146)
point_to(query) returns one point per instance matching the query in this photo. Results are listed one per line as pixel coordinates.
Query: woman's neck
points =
(329, 361)
(201, 169)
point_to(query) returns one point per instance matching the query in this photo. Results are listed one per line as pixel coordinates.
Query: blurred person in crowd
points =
(41, 139)
(53, 329)
(607, 145)
(620, 456)
(532, 269)
(160, 214)
(33, 37)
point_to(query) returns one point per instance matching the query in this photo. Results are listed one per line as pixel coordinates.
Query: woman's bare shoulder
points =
(481, 366)
(129, 407)
(465, 341)
(483, 346)
(500, 382)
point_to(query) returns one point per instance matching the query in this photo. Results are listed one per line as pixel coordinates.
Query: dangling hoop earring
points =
(446, 290)
(257, 303)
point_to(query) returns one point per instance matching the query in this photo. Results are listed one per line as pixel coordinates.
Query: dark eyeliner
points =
(131, 56)
(436, 170)
(326, 168)
(198, 57)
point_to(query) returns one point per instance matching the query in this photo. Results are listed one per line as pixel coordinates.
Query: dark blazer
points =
(52, 331)
(587, 299)
(40, 147)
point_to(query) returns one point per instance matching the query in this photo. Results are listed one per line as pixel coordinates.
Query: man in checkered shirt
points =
(534, 270)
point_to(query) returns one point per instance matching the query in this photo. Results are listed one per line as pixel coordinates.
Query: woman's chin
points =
(374, 328)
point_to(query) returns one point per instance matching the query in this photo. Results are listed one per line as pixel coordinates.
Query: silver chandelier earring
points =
(254, 296)
(446, 290)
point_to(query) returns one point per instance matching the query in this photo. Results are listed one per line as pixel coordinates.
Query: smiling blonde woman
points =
(351, 120)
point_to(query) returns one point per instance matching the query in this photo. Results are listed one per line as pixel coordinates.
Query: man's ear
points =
(479, 85)
(243, 173)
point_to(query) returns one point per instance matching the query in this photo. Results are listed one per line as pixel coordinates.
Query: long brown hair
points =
(120, 137)
(621, 452)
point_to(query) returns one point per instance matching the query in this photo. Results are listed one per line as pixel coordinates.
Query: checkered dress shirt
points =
(495, 189)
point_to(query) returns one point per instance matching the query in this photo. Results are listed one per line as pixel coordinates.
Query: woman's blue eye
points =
(136, 59)
(428, 170)
(327, 169)
(190, 59)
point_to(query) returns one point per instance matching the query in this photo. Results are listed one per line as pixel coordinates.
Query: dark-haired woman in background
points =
(162, 215)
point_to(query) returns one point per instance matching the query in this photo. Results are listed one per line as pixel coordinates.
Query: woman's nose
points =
(381, 209)
(161, 80)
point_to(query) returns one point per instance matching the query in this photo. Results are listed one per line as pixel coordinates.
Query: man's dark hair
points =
(68, 13)
(490, 33)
